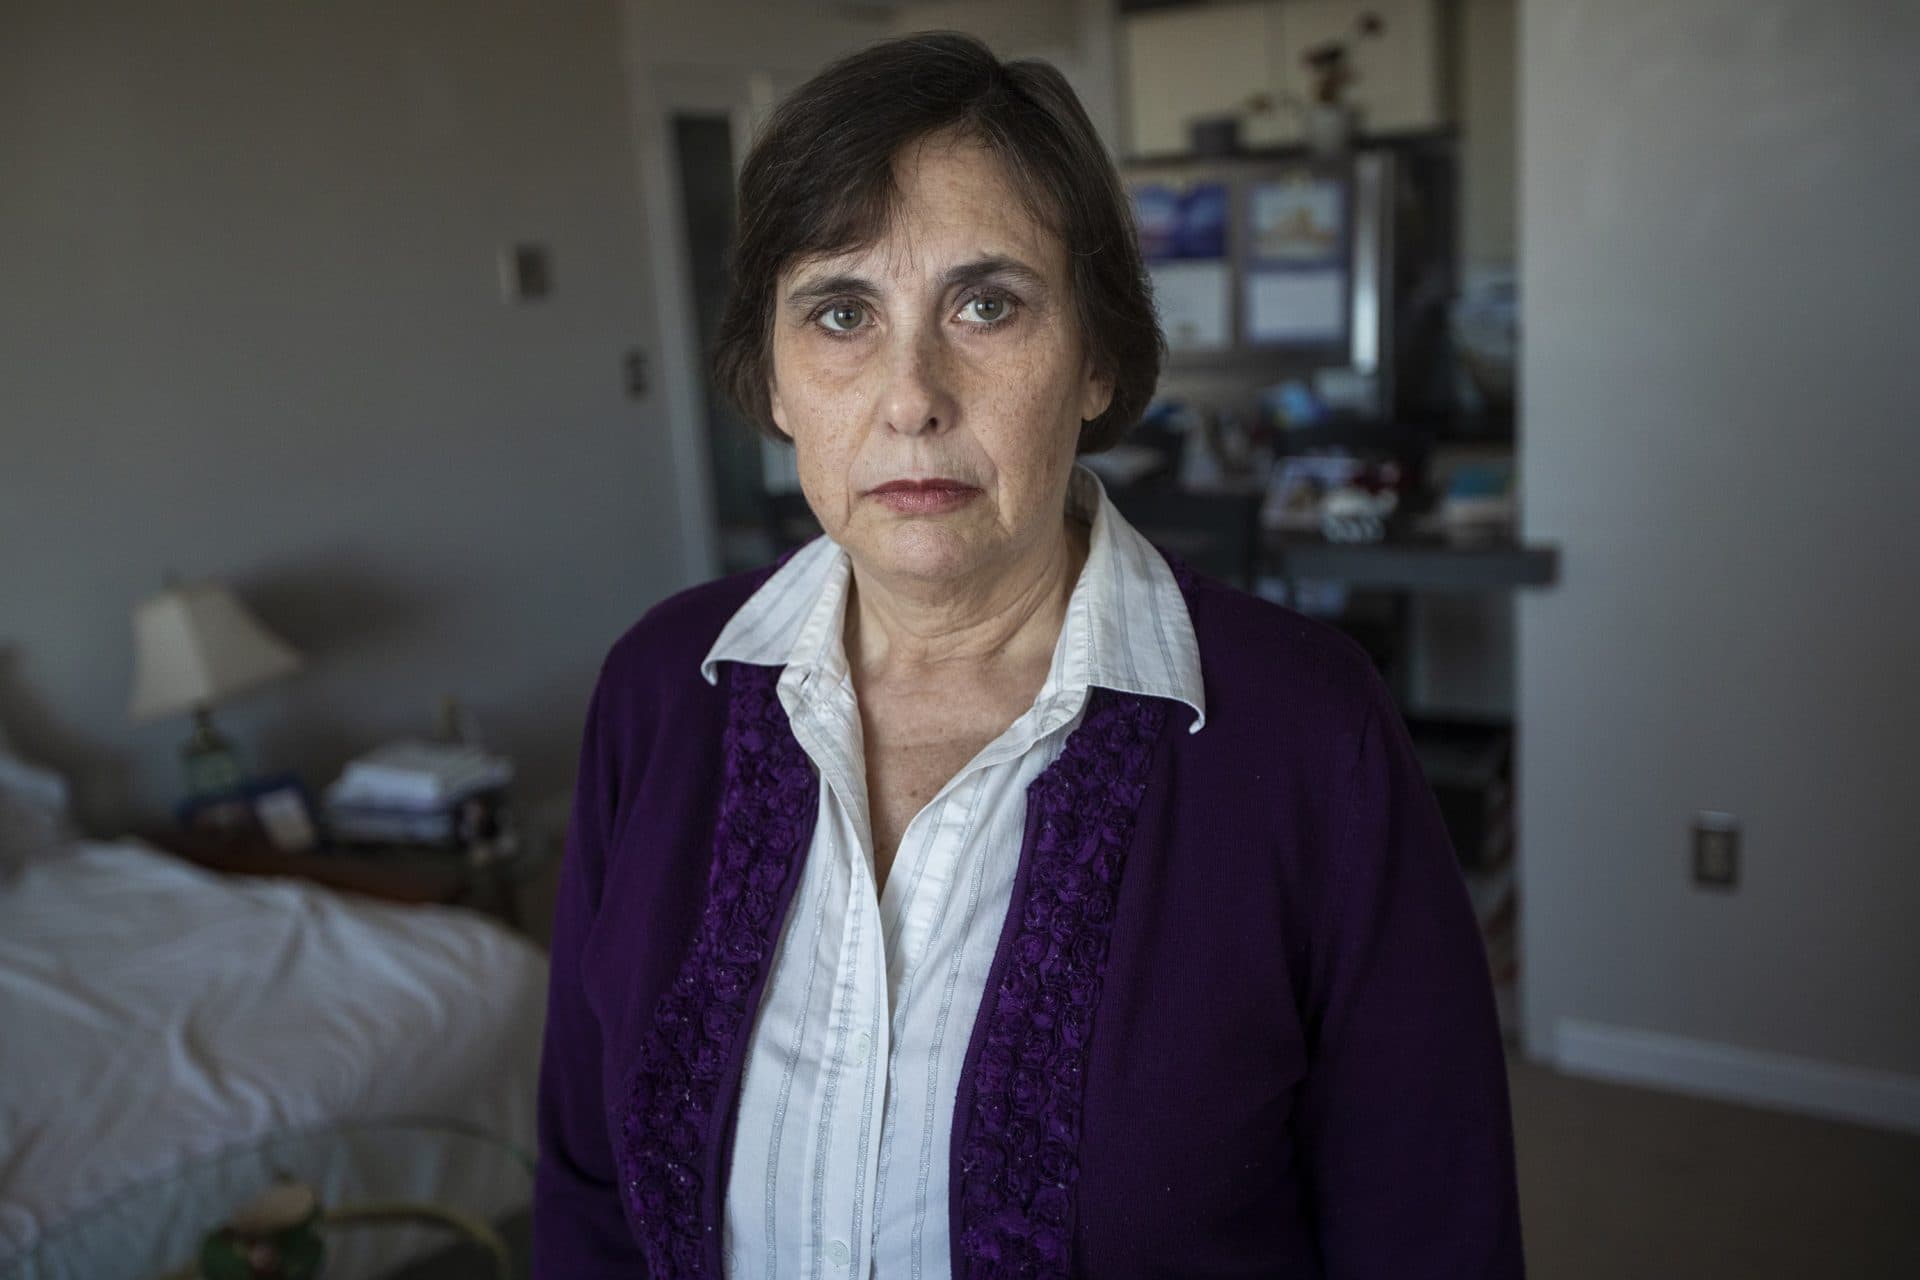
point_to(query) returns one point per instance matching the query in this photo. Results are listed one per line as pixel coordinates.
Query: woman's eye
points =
(843, 317)
(986, 309)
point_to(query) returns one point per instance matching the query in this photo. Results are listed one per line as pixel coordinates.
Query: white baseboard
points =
(1884, 1099)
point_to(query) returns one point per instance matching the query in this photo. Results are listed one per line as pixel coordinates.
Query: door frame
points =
(658, 94)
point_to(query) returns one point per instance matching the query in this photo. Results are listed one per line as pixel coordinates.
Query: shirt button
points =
(837, 1253)
(862, 1046)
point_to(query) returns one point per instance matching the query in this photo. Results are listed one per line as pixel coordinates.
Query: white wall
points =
(1485, 93)
(250, 328)
(1722, 429)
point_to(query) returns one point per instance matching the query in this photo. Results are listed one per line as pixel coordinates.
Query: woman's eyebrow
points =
(962, 275)
(993, 267)
(835, 286)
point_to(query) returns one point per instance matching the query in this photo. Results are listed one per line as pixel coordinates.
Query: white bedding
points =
(151, 1011)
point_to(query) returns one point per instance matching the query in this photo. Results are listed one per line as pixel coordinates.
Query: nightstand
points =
(398, 873)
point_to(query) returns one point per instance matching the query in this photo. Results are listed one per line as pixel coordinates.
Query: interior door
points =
(694, 129)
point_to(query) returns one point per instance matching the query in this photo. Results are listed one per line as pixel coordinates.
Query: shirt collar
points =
(1127, 627)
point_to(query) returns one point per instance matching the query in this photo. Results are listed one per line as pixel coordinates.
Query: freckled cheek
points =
(829, 416)
(1021, 416)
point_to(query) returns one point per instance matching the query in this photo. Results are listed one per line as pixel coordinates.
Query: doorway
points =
(704, 168)
(695, 127)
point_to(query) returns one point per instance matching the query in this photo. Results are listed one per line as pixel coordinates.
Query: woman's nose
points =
(918, 396)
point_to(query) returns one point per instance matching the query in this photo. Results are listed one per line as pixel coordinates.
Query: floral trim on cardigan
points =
(674, 1120)
(1019, 1153)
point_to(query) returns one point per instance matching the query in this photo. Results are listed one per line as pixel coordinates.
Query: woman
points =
(978, 891)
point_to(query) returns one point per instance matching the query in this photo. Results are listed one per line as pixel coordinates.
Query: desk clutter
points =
(415, 792)
(1309, 517)
(1343, 480)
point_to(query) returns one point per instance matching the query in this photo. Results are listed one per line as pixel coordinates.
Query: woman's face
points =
(948, 350)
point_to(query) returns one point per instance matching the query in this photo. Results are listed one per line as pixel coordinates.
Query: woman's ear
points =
(1096, 396)
(777, 411)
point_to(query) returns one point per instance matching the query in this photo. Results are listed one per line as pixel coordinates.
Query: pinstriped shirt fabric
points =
(840, 1156)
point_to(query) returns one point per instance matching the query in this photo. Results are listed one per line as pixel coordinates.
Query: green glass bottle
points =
(212, 762)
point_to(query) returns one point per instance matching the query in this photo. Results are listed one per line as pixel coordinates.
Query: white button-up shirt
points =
(846, 1110)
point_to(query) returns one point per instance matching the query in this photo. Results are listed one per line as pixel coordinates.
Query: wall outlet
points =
(1716, 850)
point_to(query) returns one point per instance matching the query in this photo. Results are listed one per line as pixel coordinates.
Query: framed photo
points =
(1181, 221)
(277, 808)
(1298, 221)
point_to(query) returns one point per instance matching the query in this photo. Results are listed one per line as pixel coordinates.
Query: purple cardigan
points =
(1238, 1024)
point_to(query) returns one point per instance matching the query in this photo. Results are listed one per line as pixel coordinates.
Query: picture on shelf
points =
(1298, 221)
(276, 807)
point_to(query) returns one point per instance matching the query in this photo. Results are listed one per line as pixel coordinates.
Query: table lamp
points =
(196, 645)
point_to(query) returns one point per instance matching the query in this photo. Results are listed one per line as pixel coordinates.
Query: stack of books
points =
(414, 792)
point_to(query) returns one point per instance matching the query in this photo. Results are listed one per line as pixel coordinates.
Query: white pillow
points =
(34, 817)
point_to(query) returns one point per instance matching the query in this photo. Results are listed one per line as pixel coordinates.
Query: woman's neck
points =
(1010, 618)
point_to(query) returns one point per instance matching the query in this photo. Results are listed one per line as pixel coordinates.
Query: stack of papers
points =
(419, 775)
(409, 791)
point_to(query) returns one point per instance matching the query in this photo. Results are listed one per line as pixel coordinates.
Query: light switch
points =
(526, 272)
(1716, 850)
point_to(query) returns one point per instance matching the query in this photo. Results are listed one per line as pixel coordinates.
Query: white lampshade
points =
(195, 645)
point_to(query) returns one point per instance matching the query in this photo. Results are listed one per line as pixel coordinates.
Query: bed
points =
(153, 1013)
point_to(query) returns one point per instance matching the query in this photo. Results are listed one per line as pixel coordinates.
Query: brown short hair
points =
(819, 180)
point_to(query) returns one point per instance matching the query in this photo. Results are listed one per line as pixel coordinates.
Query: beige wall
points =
(251, 329)
(1077, 36)
(1486, 93)
(1717, 208)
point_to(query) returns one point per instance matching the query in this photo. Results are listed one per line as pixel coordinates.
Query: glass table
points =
(477, 1187)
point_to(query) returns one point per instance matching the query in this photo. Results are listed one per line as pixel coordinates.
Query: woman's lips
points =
(924, 497)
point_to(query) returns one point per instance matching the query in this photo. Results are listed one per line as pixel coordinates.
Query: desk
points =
(1405, 566)
(1410, 563)
(392, 874)
(1219, 532)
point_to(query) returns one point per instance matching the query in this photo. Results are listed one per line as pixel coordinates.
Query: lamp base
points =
(212, 763)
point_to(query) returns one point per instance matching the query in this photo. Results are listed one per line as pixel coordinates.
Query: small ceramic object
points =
(275, 1236)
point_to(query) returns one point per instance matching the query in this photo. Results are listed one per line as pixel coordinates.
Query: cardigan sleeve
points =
(1404, 1115)
(579, 1229)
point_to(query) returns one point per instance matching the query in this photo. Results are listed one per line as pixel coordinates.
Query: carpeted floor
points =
(1619, 1183)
